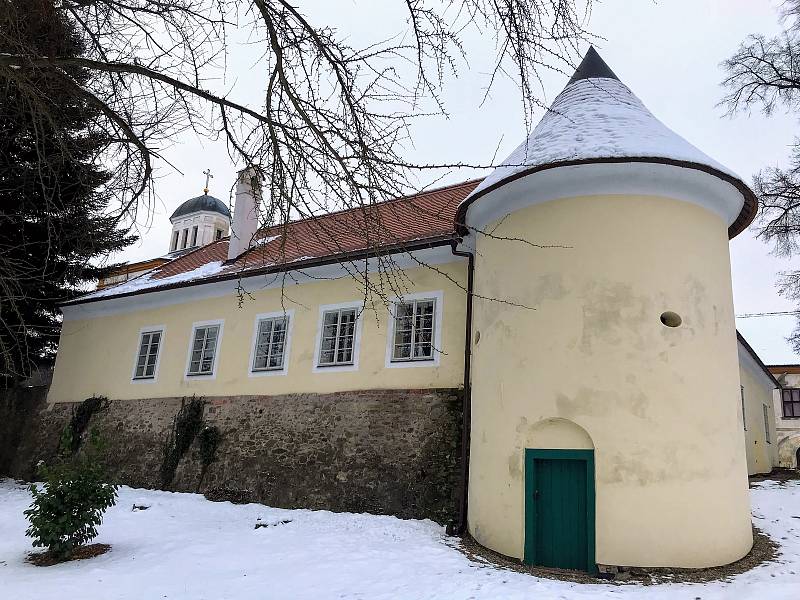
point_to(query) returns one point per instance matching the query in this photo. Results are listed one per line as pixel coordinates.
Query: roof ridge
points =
(381, 203)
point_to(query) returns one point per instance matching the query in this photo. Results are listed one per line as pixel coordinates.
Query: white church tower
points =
(199, 221)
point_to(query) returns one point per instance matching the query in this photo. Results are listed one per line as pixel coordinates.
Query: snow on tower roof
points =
(597, 119)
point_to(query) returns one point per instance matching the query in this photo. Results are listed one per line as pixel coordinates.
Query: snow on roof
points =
(597, 118)
(146, 281)
(396, 223)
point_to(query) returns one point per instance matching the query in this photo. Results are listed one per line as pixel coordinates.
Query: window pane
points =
(338, 331)
(345, 355)
(413, 337)
(203, 348)
(327, 351)
(271, 339)
(147, 355)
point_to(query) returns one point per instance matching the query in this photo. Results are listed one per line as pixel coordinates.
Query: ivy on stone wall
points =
(81, 416)
(208, 441)
(185, 426)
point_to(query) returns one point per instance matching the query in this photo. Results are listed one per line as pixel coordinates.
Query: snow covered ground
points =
(185, 547)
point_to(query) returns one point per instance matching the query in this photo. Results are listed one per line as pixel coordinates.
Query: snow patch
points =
(265, 240)
(187, 548)
(146, 280)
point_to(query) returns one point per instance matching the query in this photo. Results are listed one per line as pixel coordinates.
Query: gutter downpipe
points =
(459, 525)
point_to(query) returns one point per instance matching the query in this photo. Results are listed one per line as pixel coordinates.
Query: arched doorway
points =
(559, 496)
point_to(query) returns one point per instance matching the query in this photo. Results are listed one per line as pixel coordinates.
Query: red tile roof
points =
(391, 225)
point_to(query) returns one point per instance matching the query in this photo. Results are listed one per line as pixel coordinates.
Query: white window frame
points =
(142, 331)
(359, 308)
(287, 346)
(195, 326)
(185, 238)
(438, 298)
(176, 236)
(195, 231)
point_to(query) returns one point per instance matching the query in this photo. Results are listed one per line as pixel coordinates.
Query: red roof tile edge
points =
(422, 220)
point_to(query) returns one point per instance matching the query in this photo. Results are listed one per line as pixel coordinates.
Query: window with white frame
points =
(194, 236)
(204, 349)
(146, 359)
(414, 330)
(338, 337)
(767, 437)
(270, 344)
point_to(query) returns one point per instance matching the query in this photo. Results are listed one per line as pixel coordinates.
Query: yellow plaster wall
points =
(96, 356)
(659, 405)
(761, 455)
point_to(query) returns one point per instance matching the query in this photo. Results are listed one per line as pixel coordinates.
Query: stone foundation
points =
(380, 451)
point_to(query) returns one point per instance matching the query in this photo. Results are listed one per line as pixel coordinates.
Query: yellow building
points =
(580, 296)
(758, 388)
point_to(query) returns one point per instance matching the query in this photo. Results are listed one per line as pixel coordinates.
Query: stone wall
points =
(19, 411)
(380, 451)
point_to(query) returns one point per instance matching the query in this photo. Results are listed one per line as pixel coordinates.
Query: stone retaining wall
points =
(380, 451)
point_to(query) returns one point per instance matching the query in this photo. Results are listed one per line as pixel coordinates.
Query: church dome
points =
(202, 203)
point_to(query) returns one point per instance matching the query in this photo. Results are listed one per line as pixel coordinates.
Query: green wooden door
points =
(559, 508)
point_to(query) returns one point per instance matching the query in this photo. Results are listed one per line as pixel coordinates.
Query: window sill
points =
(412, 363)
(266, 372)
(336, 368)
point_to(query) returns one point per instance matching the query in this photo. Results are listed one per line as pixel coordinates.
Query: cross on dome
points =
(208, 175)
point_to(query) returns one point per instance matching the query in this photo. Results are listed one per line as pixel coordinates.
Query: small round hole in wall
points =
(671, 319)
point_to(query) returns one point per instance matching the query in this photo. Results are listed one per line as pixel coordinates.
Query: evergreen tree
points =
(54, 226)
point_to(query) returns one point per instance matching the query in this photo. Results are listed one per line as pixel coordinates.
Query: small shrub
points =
(69, 506)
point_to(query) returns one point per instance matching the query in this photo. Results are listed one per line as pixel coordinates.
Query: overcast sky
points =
(668, 52)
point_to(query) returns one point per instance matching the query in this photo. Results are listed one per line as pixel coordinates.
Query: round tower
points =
(606, 420)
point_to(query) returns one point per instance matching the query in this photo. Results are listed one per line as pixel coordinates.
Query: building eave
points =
(344, 257)
(757, 359)
(745, 217)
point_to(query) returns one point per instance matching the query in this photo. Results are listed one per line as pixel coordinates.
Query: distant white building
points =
(786, 404)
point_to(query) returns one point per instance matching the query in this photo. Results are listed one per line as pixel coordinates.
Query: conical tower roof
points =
(598, 119)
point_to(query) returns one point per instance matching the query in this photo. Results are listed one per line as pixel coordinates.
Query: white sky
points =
(668, 52)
